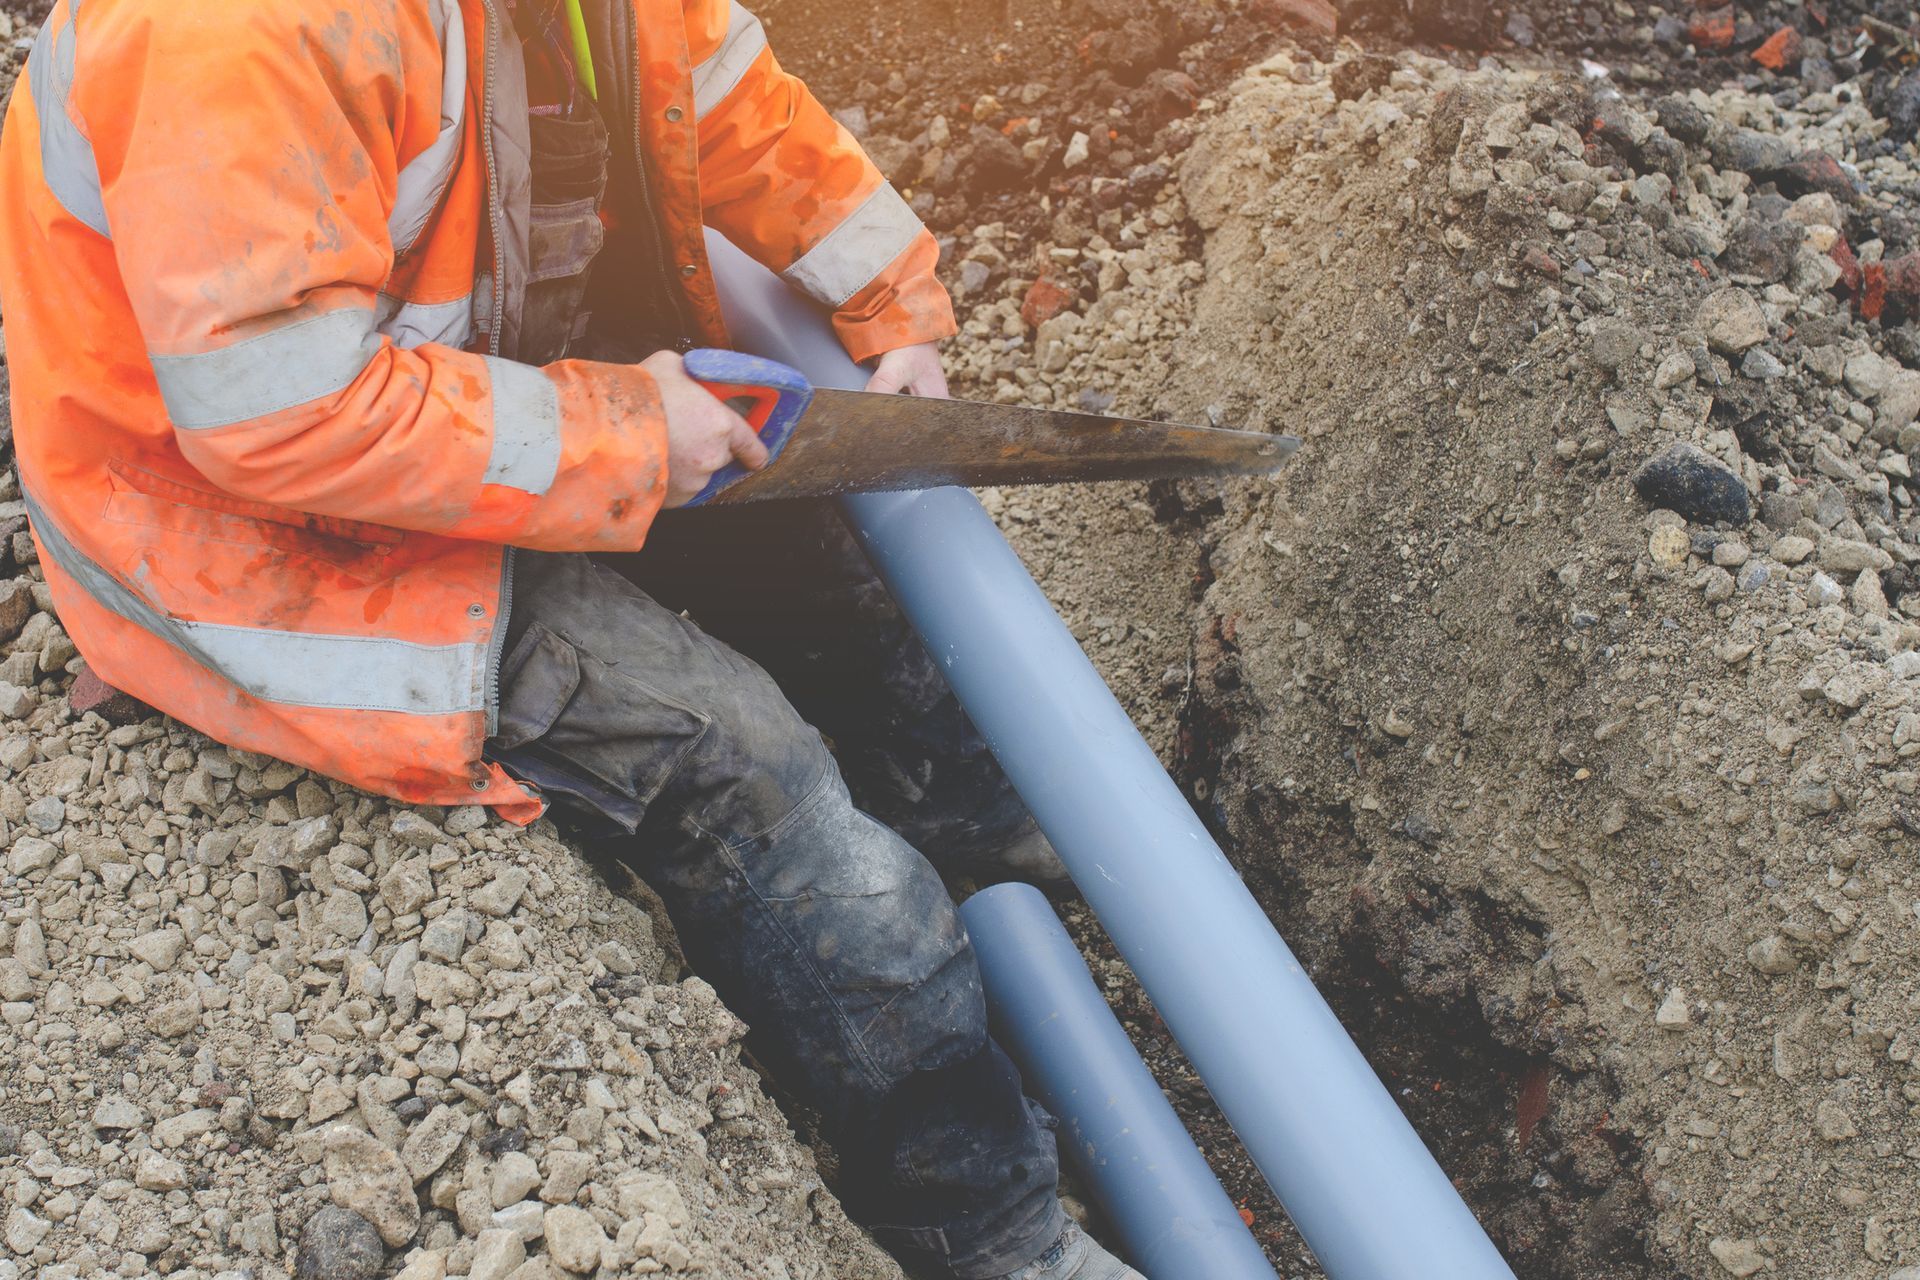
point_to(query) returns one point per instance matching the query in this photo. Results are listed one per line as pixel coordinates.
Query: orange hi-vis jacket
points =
(263, 266)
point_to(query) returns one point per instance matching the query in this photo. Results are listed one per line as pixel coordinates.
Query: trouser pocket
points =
(565, 232)
(576, 725)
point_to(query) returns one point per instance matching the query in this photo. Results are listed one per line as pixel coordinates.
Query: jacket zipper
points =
(497, 640)
(495, 220)
(682, 332)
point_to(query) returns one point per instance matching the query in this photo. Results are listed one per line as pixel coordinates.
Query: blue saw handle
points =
(769, 395)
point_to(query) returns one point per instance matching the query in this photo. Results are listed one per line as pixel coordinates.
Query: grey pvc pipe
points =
(1353, 1175)
(1116, 1125)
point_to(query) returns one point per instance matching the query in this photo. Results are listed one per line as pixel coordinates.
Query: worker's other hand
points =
(703, 434)
(915, 370)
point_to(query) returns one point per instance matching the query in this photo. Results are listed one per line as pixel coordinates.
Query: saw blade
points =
(861, 442)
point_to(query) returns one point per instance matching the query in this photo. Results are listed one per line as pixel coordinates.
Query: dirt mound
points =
(1607, 803)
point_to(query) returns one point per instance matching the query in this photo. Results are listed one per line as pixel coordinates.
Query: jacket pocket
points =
(137, 496)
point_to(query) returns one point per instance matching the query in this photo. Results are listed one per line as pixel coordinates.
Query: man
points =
(316, 310)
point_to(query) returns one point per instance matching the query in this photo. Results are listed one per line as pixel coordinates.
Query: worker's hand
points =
(915, 370)
(703, 435)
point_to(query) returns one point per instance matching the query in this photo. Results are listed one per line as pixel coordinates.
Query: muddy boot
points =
(1075, 1256)
(1028, 857)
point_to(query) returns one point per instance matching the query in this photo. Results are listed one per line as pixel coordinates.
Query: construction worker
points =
(318, 311)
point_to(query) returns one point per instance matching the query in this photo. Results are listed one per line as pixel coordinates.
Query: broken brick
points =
(1781, 50)
(91, 693)
(1842, 255)
(1713, 30)
(1873, 290)
(1538, 259)
(1815, 171)
(1046, 298)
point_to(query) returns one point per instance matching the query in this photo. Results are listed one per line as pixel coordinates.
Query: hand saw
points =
(824, 441)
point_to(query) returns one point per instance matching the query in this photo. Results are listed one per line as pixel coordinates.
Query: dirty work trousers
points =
(666, 746)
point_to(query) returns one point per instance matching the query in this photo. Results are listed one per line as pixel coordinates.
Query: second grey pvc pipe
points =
(1116, 1125)
(1365, 1193)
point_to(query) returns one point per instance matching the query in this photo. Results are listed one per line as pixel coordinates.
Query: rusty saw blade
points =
(858, 442)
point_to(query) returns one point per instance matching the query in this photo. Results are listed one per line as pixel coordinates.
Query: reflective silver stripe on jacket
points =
(715, 78)
(848, 257)
(293, 365)
(66, 157)
(307, 669)
(413, 324)
(526, 427)
(418, 189)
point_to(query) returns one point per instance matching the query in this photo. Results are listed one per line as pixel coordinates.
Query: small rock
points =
(1850, 687)
(1668, 546)
(567, 1172)
(1738, 1257)
(527, 1219)
(1823, 591)
(338, 1244)
(160, 949)
(1832, 1123)
(1762, 365)
(574, 1239)
(515, 1177)
(500, 895)
(1792, 549)
(1849, 555)
(1732, 321)
(432, 1142)
(407, 886)
(1868, 598)
(366, 1177)
(1773, 955)
(1076, 153)
(1867, 374)
(48, 813)
(1673, 1013)
(115, 1112)
(1675, 369)
(155, 1172)
(495, 1254)
(25, 1230)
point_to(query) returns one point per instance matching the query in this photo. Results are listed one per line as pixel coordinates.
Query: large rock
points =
(337, 1244)
(1684, 478)
(370, 1180)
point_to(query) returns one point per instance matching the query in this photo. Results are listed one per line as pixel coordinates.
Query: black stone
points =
(1750, 152)
(1700, 487)
(1903, 107)
(1682, 119)
(1764, 248)
(338, 1244)
(997, 163)
(1780, 511)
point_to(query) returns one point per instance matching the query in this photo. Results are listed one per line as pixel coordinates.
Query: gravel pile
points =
(255, 1022)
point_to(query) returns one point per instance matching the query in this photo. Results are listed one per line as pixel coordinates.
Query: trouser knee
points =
(876, 931)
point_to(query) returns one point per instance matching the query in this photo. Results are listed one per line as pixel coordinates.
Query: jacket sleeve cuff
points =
(903, 305)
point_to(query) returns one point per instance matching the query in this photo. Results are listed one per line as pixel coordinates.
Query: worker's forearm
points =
(571, 457)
